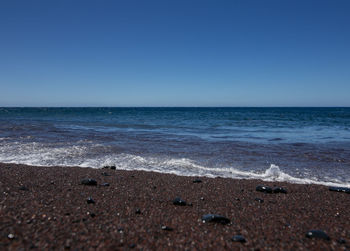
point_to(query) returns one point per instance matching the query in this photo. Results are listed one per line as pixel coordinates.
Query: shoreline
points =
(46, 207)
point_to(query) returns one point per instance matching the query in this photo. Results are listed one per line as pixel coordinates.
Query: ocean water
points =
(299, 145)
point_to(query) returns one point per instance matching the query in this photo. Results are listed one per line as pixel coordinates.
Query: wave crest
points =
(97, 155)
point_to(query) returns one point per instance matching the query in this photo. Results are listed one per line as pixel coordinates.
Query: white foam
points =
(83, 155)
(187, 167)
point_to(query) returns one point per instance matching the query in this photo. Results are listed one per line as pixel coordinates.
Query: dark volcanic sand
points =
(54, 213)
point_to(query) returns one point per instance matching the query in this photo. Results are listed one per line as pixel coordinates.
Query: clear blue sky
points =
(175, 53)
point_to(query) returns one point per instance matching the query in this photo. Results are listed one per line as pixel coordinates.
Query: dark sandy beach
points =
(47, 208)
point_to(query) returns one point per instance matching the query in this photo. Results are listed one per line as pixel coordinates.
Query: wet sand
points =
(47, 208)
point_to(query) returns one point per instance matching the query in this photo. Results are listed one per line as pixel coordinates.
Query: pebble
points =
(339, 189)
(319, 234)
(238, 238)
(279, 190)
(11, 236)
(105, 174)
(197, 181)
(138, 211)
(259, 200)
(113, 167)
(215, 218)
(89, 182)
(90, 201)
(341, 241)
(264, 189)
(24, 188)
(179, 202)
(32, 246)
(166, 228)
(104, 185)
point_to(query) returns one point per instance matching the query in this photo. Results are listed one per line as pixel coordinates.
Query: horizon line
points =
(174, 106)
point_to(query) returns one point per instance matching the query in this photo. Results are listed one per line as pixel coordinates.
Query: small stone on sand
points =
(179, 202)
(318, 234)
(89, 182)
(215, 218)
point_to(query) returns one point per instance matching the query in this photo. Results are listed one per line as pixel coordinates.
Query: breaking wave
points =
(98, 155)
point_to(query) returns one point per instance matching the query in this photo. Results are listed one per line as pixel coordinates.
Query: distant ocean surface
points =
(299, 145)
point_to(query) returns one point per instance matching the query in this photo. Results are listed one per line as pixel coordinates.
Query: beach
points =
(175, 125)
(51, 208)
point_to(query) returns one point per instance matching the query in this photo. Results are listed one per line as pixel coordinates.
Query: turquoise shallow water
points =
(303, 145)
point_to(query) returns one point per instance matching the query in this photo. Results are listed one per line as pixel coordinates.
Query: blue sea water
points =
(300, 145)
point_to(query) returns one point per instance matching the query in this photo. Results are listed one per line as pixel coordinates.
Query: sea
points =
(297, 145)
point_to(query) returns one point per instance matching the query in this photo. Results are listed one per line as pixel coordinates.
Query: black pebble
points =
(104, 185)
(92, 215)
(110, 167)
(133, 245)
(23, 188)
(259, 200)
(138, 211)
(105, 174)
(90, 201)
(197, 181)
(238, 238)
(179, 202)
(89, 182)
(339, 189)
(279, 190)
(215, 218)
(341, 241)
(319, 234)
(166, 228)
(264, 189)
